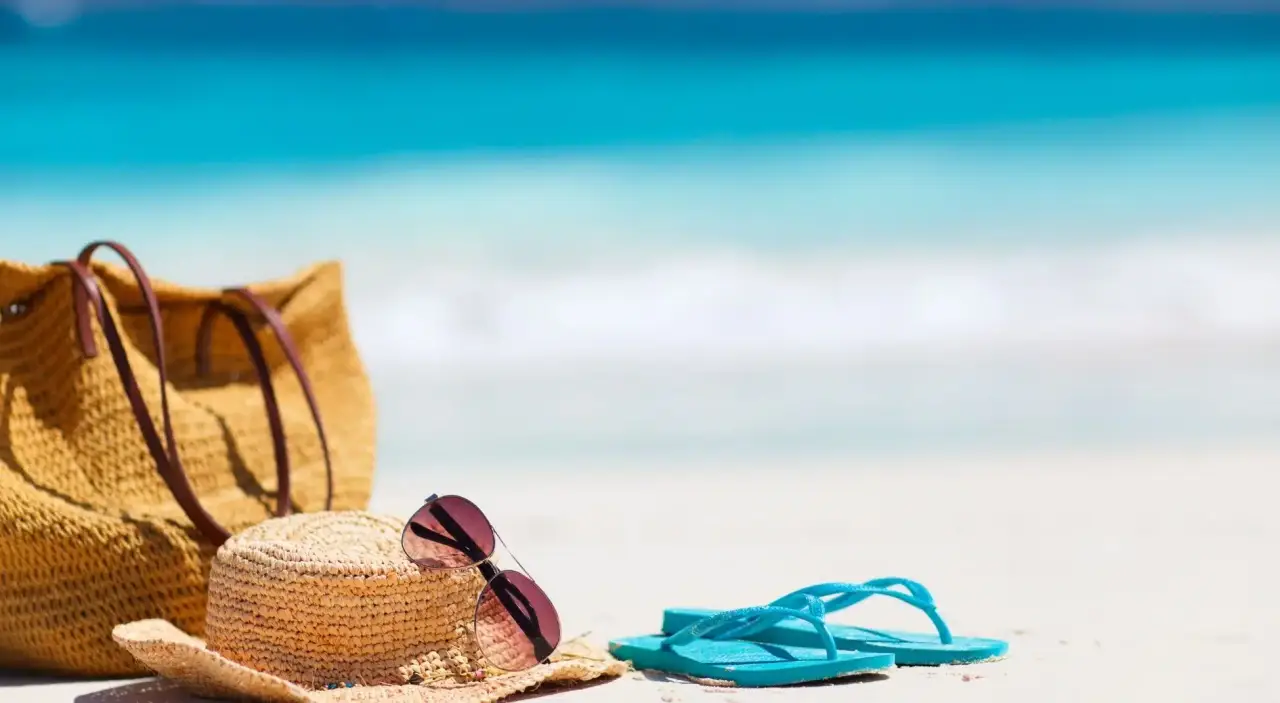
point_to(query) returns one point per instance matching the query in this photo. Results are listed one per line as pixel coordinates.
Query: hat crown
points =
(330, 598)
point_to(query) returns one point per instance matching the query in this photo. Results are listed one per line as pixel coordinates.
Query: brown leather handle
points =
(274, 321)
(284, 501)
(165, 453)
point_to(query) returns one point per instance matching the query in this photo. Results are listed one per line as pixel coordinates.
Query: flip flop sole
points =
(908, 648)
(747, 664)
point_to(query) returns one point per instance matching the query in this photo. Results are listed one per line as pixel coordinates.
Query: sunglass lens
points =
(517, 627)
(448, 533)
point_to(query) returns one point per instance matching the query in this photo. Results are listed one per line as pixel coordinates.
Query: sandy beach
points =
(1115, 576)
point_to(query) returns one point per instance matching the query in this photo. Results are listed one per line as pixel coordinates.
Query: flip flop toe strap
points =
(818, 601)
(850, 594)
(712, 626)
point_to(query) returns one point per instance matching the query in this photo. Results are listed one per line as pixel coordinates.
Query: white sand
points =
(1115, 576)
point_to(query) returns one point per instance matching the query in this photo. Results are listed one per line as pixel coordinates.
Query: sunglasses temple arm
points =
(514, 558)
(436, 537)
(526, 618)
(461, 540)
(528, 623)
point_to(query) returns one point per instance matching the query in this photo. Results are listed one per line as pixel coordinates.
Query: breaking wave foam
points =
(744, 307)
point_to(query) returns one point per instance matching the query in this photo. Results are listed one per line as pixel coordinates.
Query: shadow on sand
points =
(140, 692)
(659, 677)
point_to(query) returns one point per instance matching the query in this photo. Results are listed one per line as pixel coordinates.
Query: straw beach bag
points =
(143, 423)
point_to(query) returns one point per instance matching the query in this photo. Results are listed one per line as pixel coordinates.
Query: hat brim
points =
(177, 656)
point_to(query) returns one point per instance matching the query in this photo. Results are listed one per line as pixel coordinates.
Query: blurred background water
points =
(611, 234)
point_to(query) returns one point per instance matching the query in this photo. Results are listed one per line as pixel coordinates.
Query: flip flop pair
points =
(789, 640)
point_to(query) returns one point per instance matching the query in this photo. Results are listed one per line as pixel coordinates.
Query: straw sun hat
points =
(327, 607)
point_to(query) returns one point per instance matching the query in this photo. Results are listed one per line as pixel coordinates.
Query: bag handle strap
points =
(278, 328)
(165, 454)
(284, 502)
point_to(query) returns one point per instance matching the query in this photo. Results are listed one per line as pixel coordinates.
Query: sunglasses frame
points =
(525, 618)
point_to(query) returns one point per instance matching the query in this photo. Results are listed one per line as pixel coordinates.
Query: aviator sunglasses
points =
(516, 626)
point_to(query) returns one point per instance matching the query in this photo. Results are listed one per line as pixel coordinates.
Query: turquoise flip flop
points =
(908, 648)
(687, 652)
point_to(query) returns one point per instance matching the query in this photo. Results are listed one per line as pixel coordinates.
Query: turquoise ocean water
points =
(610, 234)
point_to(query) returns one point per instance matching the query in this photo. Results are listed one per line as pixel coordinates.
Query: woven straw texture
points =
(298, 603)
(90, 535)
